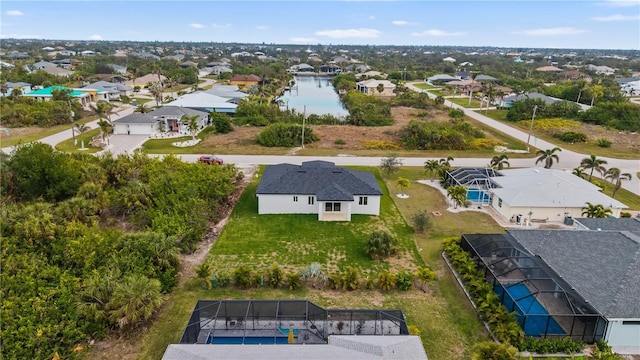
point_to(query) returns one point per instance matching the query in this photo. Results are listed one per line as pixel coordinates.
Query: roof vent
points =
(338, 170)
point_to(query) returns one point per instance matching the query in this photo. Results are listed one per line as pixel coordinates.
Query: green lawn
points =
(69, 146)
(623, 195)
(424, 86)
(36, 133)
(448, 324)
(475, 103)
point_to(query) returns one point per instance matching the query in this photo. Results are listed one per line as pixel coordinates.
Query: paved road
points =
(568, 159)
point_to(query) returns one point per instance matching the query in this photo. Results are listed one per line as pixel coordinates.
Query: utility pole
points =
(73, 131)
(531, 126)
(304, 117)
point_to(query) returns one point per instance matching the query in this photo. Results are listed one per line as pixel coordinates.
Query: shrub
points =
(421, 221)
(243, 277)
(380, 244)
(350, 278)
(275, 276)
(339, 142)
(625, 215)
(222, 123)
(386, 280)
(572, 137)
(603, 142)
(483, 144)
(223, 279)
(314, 274)
(285, 135)
(404, 280)
(380, 145)
(293, 281)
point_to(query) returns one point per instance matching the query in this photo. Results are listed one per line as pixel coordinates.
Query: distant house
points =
(229, 92)
(484, 78)
(114, 90)
(601, 70)
(87, 53)
(442, 78)
(372, 87)
(122, 70)
(84, 96)
(204, 101)
(135, 124)
(466, 63)
(57, 71)
(245, 80)
(23, 86)
(449, 59)
(549, 68)
(302, 68)
(146, 80)
(509, 100)
(189, 64)
(318, 187)
(463, 75)
(330, 69)
(42, 64)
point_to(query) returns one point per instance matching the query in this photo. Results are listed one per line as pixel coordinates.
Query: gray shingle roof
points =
(136, 118)
(321, 178)
(602, 266)
(621, 224)
(176, 111)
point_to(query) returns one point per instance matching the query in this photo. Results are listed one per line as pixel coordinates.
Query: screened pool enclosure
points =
(283, 322)
(476, 180)
(545, 305)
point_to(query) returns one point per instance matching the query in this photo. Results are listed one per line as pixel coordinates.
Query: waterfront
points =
(316, 93)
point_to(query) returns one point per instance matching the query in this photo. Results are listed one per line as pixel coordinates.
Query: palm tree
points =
(192, 124)
(134, 300)
(593, 163)
(431, 166)
(458, 194)
(445, 164)
(596, 211)
(380, 88)
(156, 90)
(579, 172)
(498, 162)
(424, 275)
(402, 184)
(548, 156)
(103, 108)
(582, 86)
(596, 92)
(4, 88)
(81, 128)
(203, 272)
(141, 109)
(616, 177)
(490, 92)
(104, 129)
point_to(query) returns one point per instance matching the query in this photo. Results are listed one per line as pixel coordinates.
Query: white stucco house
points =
(370, 87)
(539, 194)
(169, 119)
(113, 90)
(318, 187)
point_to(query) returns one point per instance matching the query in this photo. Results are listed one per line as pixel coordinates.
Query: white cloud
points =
(350, 33)
(404, 22)
(436, 32)
(303, 39)
(196, 26)
(14, 13)
(262, 27)
(96, 37)
(617, 17)
(551, 31)
(620, 3)
(372, 17)
(220, 26)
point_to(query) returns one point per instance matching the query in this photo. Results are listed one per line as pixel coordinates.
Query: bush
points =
(380, 145)
(604, 143)
(285, 135)
(572, 137)
(339, 142)
(625, 215)
(350, 278)
(380, 244)
(404, 280)
(275, 276)
(243, 277)
(386, 280)
(293, 281)
(421, 221)
(222, 123)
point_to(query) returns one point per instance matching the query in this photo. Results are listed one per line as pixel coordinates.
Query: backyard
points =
(448, 326)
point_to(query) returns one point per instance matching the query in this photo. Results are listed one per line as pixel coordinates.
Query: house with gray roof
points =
(584, 284)
(135, 124)
(114, 90)
(509, 100)
(318, 187)
(165, 119)
(23, 86)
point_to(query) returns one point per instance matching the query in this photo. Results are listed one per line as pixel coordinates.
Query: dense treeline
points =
(458, 135)
(366, 110)
(89, 244)
(286, 135)
(18, 111)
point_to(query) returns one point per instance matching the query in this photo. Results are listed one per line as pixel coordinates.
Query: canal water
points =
(316, 93)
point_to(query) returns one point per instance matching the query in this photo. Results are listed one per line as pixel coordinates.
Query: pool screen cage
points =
(476, 180)
(545, 305)
(311, 324)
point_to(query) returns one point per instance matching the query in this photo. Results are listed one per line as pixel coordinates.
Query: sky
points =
(576, 24)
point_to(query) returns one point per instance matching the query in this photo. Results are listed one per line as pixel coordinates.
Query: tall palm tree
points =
(156, 90)
(81, 128)
(593, 163)
(458, 194)
(192, 124)
(141, 109)
(490, 92)
(103, 109)
(596, 211)
(548, 156)
(431, 166)
(616, 177)
(596, 92)
(104, 129)
(4, 88)
(498, 162)
(582, 86)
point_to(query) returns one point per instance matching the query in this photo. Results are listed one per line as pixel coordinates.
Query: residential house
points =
(466, 63)
(146, 80)
(318, 187)
(449, 60)
(84, 96)
(58, 71)
(204, 101)
(373, 87)
(545, 195)
(585, 284)
(301, 68)
(23, 86)
(114, 90)
(244, 80)
(441, 78)
(16, 55)
(170, 119)
(485, 78)
(6, 65)
(122, 70)
(136, 124)
(42, 65)
(229, 92)
(370, 74)
(462, 75)
(87, 53)
(549, 68)
(189, 64)
(601, 70)
(509, 100)
(330, 69)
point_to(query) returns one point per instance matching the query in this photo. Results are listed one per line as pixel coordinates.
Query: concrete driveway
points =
(124, 144)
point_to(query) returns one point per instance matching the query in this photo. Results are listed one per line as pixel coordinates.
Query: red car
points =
(210, 159)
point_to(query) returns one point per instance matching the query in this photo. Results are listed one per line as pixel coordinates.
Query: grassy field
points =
(475, 103)
(448, 325)
(69, 146)
(35, 133)
(424, 86)
(623, 195)
(584, 148)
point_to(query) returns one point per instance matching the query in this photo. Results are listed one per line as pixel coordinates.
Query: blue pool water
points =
(474, 195)
(249, 340)
(530, 311)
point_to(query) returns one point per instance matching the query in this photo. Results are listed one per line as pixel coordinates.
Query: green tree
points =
(581, 85)
(380, 244)
(37, 170)
(141, 109)
(103, 109)
(596, 211)
(596, 92)
(390, 164)
(425, 275)
(548, 156)
(458, 195)
(192, 124)
(593, 163)
(386, 280)
(431, 166)
(380, 88)
(221, 122)
(402, 184)
(499, 162)
(80, 128)
(579, 172)
(104, 129)
(490, 350)
(203, 273)
(616, 177)
(445, 164)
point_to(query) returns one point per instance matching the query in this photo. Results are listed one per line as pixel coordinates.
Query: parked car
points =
(210, 159)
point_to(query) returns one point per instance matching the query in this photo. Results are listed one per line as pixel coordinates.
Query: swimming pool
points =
(475, 195)
(530, 312)
(249, 340)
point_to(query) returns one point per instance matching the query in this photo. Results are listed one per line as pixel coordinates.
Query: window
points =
(332, 207)
(295, 199)
(499, 202)
(311, 200)
(363, 200)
